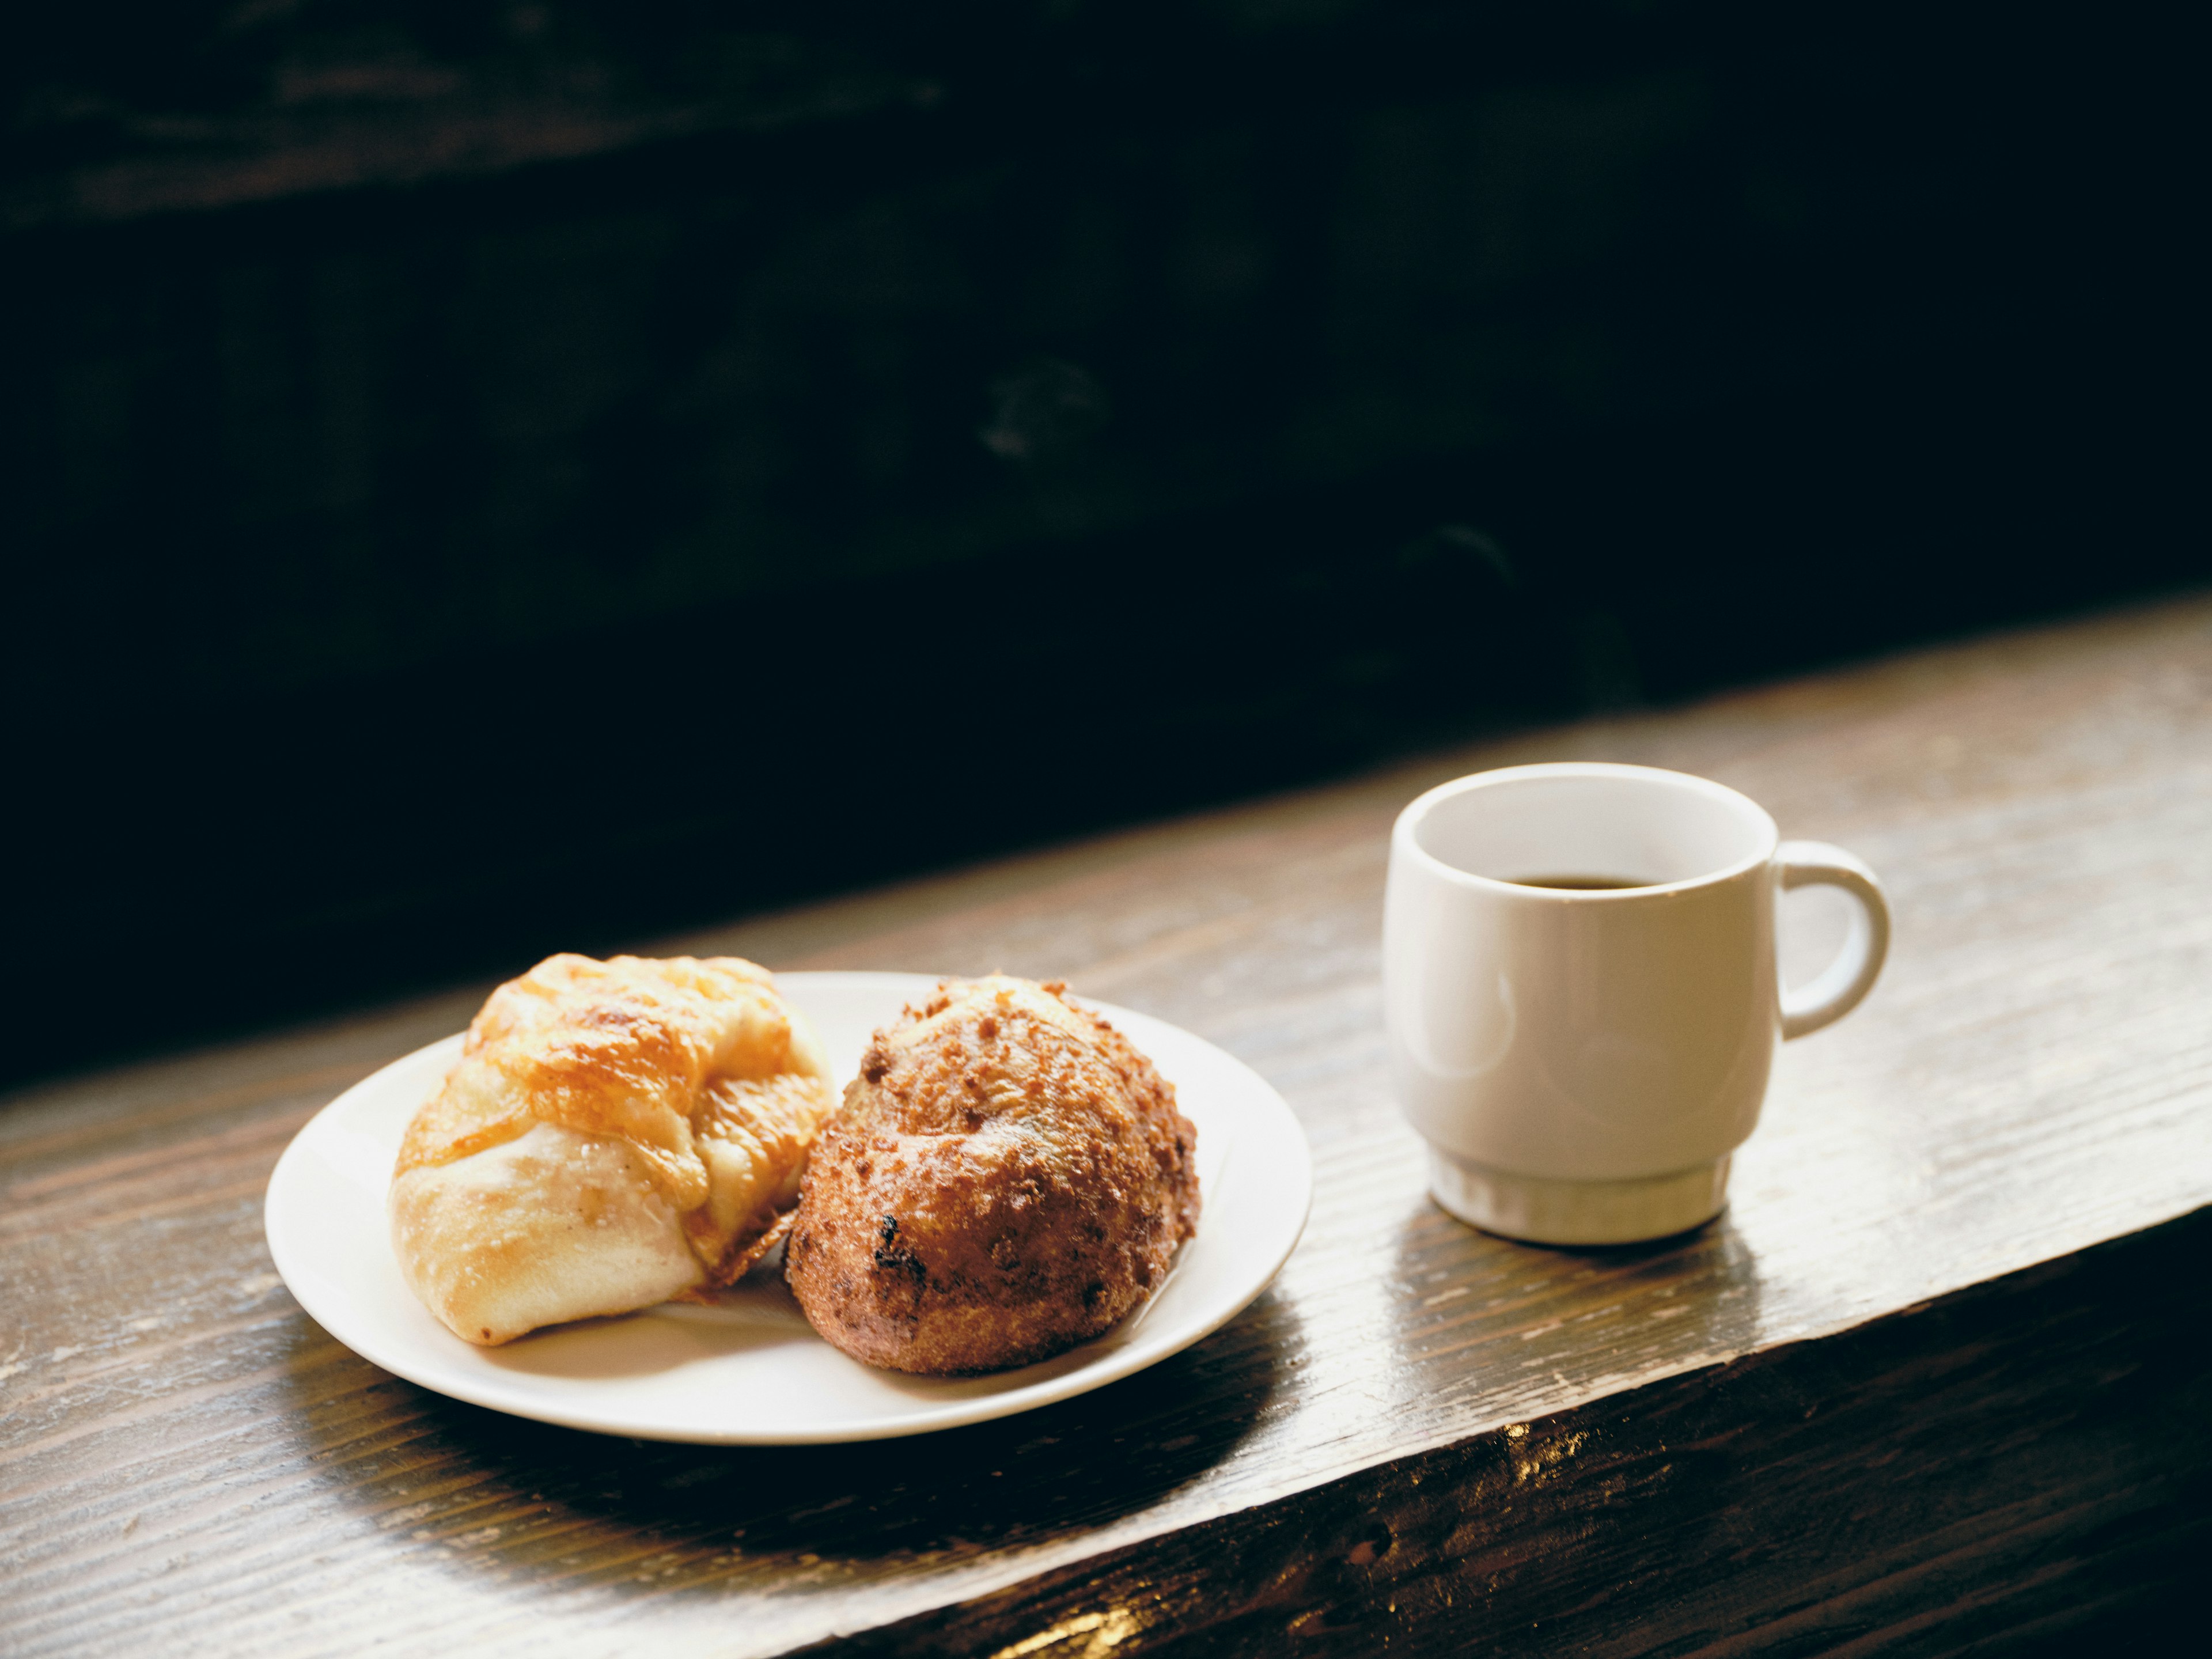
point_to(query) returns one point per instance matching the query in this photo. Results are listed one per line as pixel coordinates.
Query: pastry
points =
(1007, 1176)
(615, 1135)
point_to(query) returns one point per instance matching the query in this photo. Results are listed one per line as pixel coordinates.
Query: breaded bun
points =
(1007, 1177)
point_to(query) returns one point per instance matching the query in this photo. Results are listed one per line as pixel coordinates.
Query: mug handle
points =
(1844, 981)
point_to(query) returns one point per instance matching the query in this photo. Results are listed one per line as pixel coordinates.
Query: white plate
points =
(750, 1370)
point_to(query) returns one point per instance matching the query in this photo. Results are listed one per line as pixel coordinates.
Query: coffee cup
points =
(1580, 987)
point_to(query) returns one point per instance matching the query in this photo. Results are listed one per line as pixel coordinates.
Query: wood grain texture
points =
(186, 1462)
(2030, 1458)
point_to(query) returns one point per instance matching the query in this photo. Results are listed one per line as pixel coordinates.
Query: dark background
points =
(482, 479)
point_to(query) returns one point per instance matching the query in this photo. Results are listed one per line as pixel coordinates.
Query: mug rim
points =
(1405, 840)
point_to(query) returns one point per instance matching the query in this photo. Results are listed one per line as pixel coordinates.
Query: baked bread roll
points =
(1007, 1177)
(615, 1135)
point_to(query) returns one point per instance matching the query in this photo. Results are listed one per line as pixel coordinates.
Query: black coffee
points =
(1578, 883)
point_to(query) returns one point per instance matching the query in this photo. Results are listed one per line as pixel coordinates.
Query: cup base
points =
(1540, 1212)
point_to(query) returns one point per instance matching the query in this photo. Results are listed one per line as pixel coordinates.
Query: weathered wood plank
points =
(2027, 1459)
(187, 1462)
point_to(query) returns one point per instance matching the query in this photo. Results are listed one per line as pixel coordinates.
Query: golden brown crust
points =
(1008, 1176)
(695, 1066)
(620, 1048)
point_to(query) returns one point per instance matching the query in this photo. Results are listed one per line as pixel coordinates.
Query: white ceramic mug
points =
(1583, 1063)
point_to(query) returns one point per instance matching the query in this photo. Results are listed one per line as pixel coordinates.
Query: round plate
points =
(750, 1370)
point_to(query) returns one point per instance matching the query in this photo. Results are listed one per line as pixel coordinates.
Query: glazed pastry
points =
(615, 1135)
(1008, 1176)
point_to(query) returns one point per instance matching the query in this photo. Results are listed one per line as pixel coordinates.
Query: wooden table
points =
(1939, 1376)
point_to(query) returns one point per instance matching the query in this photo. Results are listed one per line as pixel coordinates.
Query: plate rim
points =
(291, 1259)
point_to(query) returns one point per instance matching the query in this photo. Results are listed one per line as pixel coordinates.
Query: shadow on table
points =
(624, 1516)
